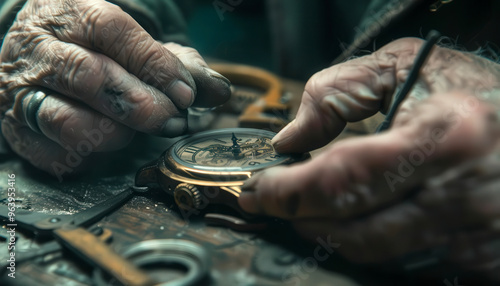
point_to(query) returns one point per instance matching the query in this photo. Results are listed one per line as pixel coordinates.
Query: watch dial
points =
(228, 149)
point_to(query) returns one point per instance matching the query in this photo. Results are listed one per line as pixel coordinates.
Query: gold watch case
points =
(208, 168)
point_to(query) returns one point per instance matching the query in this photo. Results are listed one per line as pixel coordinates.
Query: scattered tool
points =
(422, 56)
(268, 112)
(68, 230)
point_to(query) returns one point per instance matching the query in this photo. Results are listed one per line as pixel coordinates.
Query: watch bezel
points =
(171, 154)
(180, 173)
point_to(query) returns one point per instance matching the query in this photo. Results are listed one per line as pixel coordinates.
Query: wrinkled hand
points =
(433, 179)
(104, 76)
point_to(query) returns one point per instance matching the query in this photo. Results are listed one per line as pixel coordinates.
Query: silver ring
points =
(31, 111)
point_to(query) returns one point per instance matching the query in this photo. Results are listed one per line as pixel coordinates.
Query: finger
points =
(344, 93)
(359, 175)
(405, 228)
(470, 189)
(106, 29)
(105, 86)
(339, 182)
(213, 89)
(73, 125)
(40, 151)
(464, 201)
(381, 237)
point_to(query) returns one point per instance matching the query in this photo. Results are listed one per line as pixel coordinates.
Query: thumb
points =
(347, 92)
(362, 174)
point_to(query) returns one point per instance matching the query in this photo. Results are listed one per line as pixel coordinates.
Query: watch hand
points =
(218, 151)
(236, 149)
(235, 140)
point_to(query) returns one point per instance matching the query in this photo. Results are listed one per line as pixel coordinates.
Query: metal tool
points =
(268, 112)
(422, 56)
(47, 248)
(67, 230)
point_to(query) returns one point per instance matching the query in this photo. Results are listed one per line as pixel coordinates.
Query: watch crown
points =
(187, 196)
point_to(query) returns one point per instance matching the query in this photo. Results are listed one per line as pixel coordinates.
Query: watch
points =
(208, 168)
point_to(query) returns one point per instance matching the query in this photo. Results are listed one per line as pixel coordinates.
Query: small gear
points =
(187, 196)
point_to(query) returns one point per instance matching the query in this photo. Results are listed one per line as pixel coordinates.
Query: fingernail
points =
(217, 75)
(181, 94)
(248, 202)
(174, 127)
(281, 139)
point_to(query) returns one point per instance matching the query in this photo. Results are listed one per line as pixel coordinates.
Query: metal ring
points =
(31, 111)
(173, 252)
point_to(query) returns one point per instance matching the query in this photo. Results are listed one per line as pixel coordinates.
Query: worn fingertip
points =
(283, 141)
(217, 76)
(174, 127)
(181, 94)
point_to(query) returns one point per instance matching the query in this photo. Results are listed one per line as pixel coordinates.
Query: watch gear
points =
(187, 196)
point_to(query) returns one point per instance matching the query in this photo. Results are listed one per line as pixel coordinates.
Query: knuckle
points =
(79, 72)
(403, 46)
(141, 107)
(53, 116)
(150, 62)
(181, 51)
(81, 129)
(42, 64)
(105, 23)
(67, 69)
(26, 68)
(313, 84)
(188, 52)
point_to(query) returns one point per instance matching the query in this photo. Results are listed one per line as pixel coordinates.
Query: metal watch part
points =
(227, 150)
(163, 259)
(208, 168)
(187, 196)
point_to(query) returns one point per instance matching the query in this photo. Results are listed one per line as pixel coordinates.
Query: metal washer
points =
(181, 252)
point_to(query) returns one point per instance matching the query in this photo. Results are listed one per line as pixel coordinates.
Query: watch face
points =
(233, 149)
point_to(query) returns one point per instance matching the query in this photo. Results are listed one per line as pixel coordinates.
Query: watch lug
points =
(147, 175)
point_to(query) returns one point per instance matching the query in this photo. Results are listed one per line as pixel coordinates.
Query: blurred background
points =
(296, 38)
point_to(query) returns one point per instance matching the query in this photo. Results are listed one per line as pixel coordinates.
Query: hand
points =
(433, 179)
(104, 78)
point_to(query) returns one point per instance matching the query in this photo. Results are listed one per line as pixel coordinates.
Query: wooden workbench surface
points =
(237, 258)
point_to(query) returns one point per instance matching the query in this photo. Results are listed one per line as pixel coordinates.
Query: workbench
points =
(276, 257)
